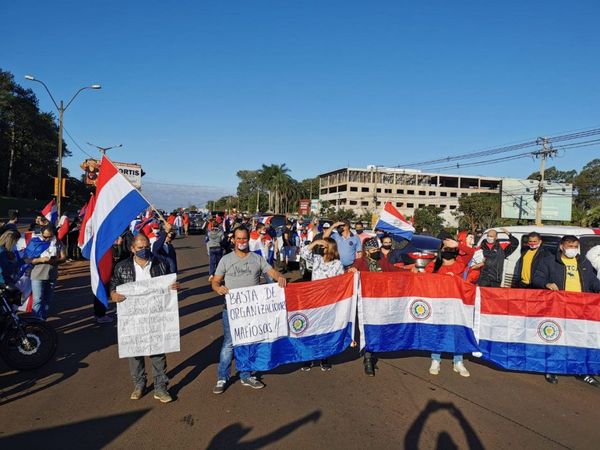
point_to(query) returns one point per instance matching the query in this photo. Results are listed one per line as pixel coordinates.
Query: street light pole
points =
(103, 150)
(61, 111)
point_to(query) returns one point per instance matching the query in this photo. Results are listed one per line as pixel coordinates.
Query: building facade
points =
(367, 190)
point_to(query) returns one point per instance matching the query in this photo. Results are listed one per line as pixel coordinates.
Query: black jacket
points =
(124, 272)
(552, 270)
(491, 272)
(537, 258)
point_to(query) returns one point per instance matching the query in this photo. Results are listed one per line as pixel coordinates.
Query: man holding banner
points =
(238, 269)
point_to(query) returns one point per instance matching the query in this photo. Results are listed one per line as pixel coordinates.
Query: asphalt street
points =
(81, 398)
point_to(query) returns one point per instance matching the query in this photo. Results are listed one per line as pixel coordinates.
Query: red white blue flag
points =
(320, 317)
(394, 223)
(540, 330)
(117, 203)
(50, 212)
(416, 311)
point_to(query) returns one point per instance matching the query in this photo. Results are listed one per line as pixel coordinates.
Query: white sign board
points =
(133, 172)
(148, 318)
(257, 313)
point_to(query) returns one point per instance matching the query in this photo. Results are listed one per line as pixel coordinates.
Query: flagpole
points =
(160, 216)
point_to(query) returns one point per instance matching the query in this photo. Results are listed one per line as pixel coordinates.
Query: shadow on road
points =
(231, 436)
(444, 439)
(92, 434)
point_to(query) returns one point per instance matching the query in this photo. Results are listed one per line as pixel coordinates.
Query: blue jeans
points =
(224, 372)
(214, 256)
(438, 357)
(43, 291)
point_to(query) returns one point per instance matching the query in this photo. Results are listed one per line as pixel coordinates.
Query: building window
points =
(323, 191)
(387, 191)
(353, 189)
(432, 193)
(365, 189)
(353, 202)
(364, 203)
(444, 194)
(399, 191)
(410, 205)
(378, 203)
(422, 193)
(399, 204)
(452, 194)
(452, 206)
(410, 192)
(421, 205)
(378, 190)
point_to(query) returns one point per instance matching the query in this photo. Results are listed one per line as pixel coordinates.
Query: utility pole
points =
(546, 152)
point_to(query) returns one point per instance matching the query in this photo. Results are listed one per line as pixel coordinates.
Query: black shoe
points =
(551, 378)
(592, 381)
(325, 366)
(307, 366)
(369, 367)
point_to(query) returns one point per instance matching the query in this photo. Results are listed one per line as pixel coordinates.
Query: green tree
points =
(247, 190)
(429, 219)
(553, 174)
(480, 210)
(587, 185)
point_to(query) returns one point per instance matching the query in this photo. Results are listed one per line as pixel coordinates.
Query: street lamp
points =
(103, 150)
(61, 110)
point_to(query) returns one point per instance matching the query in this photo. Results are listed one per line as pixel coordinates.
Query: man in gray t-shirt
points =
(238, 269)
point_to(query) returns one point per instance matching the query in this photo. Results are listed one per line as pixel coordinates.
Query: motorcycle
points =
(25, 343)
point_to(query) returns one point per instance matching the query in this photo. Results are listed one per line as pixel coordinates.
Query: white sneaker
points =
(461, 369)
(435, 367)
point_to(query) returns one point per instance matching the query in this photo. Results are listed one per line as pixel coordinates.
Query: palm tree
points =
(274, 178)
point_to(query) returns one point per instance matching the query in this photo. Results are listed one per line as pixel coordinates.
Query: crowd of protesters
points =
(245, 251)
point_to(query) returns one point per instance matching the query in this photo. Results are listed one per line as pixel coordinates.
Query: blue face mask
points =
(380, 235)
(144, 253)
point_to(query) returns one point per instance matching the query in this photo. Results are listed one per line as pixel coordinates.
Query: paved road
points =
(81, 399)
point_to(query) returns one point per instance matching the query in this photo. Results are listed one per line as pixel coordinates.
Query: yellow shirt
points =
(572, 281)
(526, 269)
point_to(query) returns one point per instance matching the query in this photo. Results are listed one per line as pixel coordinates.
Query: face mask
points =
(359, 231)
(263, 233)
(144, 253)
(534, 246)
(376, 255)
(490, 240)
(340, 230)
(571, 252)
(449, 255)
(243, 247)
(386, 246)
(380, 235)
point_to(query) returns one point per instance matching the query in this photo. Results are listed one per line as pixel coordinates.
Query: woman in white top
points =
(325, 264)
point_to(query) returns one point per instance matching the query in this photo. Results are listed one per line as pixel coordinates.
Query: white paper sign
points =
(257, 313)
(148, 319)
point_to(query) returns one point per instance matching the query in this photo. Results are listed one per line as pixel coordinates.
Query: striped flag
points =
(117, 203)
(540, 330)
(320, 317)
(50, 212)
(394, 223)
(416, 311)
(85, 230)
(63, 227)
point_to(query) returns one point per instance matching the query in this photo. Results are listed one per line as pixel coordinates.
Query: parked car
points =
(551, 235)
(197, 224)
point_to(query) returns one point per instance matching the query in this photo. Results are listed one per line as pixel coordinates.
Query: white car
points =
(551, 235)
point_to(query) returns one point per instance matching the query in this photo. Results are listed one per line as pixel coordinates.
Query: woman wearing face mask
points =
(325, 265)
(453, 261)
(372, 261)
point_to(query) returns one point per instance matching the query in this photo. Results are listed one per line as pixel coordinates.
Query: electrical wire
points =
(76, 144)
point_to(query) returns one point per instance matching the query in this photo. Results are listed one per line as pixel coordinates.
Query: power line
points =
(75, 142)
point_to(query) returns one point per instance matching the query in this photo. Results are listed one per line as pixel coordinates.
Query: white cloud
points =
(169, 196)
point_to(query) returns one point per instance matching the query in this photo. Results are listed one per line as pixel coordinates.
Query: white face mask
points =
(571, 252)
(490, 240)
(242, 247)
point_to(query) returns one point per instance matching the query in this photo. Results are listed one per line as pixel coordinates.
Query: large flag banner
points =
(416, 311)
(540, 330)
(117, 204)
(86, 233)
(320, 323)
(148, 318)
(394, 223)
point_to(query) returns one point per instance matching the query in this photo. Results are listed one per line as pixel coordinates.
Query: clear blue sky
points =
(197, 90)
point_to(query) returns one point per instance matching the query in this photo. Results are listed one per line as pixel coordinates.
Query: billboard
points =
(518, 200)
(91, 169)
(315, 206)
(304, 209)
